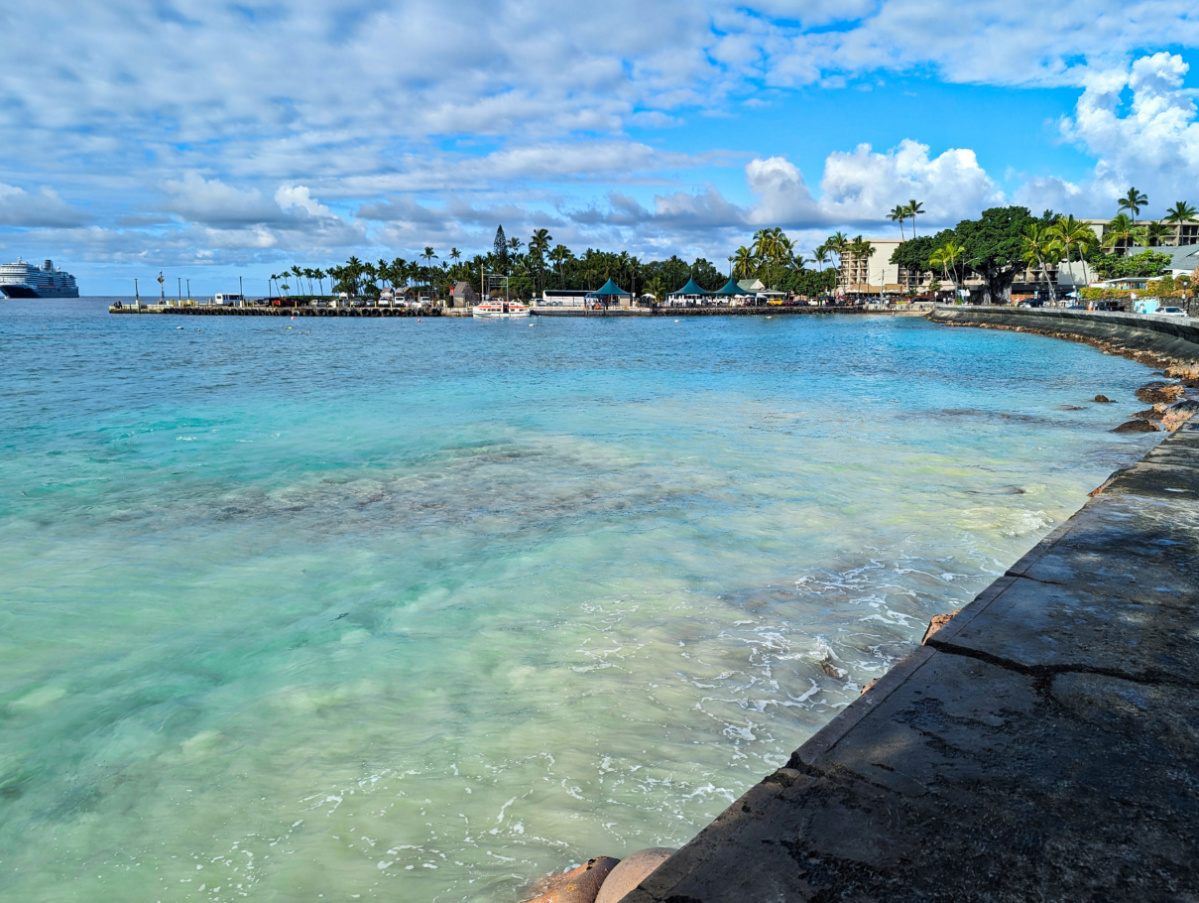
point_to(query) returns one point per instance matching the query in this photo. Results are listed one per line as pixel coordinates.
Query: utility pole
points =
(241, 292)
(136, 296)
(162, 292)
(179, 279)
(189, 289)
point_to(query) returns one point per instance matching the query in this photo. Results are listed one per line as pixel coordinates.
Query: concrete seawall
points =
(1153, 338)
(1041, 746)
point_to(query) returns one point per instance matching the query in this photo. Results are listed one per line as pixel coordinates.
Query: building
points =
(463, 295)
(1182, 234)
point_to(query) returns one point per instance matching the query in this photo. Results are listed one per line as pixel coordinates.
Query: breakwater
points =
(1160, 341)
(1040, 745)
(263, 310)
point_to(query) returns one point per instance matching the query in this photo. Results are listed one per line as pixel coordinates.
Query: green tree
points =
(1180, 213)
(1068, 234)
(898, 214)
(1154, 234)
(1133, 202)
(1122, 233)
(500, 250)
(914, 208)
(1038, 247)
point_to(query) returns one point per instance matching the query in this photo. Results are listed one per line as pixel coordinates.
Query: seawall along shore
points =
(1169, 343)
(1041, 745)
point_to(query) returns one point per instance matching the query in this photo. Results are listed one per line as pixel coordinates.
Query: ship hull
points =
(29, 291)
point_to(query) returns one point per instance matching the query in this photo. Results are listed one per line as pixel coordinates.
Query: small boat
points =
(500, 310)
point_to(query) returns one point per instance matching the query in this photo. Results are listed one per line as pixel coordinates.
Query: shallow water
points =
(336, 609)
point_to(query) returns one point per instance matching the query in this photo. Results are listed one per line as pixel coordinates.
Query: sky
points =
(211, 140)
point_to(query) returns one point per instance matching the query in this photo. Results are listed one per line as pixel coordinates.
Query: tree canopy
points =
(993, 248)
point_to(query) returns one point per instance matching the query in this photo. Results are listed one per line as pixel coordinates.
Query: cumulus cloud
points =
(44, 207)
(214, 203)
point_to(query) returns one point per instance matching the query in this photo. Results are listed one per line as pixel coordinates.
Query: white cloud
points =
(298, 196)
(44, 208)
(1152, 142)
(212, 202)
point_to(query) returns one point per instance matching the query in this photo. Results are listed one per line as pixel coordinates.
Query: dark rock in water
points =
(1187, 406)
(869, 685)
(631, 872)
(832, 670)
(1070, 407)
(1136, 426)
(1002, 490)
(1103, 399)
(937, 623)
(1157, 393)
(1148, 414)
(579, 885)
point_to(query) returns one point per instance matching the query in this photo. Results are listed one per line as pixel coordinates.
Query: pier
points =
(265, 310)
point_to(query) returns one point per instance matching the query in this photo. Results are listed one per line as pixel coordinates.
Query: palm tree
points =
(898, 214)
(298, 273)
(1180, 213)
(1122, 233)
(913, 208)
(1153, 234)
(837, 244)
(539, 245)
(861, 251)
(560, 255)
(1068, 233)
(1036, 248)
(320, 275)
(1133, 202)
(745, 263)
(428, 257)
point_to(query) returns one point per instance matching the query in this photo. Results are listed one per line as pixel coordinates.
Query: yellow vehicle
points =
(778, 302)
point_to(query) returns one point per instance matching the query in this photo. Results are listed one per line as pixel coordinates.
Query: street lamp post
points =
(241, 292)
(189, 289)
(162, 292)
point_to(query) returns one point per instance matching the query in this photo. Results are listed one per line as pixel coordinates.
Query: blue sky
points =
(212, 139)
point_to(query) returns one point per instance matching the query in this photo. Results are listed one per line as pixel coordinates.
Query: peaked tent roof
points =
(691, 288)
(732, 288)
(610, 288)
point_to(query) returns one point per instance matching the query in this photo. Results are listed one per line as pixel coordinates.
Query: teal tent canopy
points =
(731, 288)
(691, 288)
(610, 288)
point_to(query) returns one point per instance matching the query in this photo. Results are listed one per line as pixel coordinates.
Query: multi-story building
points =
(1186, 233)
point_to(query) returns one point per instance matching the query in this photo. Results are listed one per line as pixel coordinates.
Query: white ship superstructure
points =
(24, 280)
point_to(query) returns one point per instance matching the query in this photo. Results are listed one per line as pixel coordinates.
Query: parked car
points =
(1031, 302)
(1171, 312)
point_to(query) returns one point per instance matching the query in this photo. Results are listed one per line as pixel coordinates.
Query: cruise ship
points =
(24, 280)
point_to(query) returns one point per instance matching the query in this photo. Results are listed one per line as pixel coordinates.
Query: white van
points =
(227, 299)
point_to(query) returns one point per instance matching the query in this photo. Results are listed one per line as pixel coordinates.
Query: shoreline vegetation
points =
(977, 260)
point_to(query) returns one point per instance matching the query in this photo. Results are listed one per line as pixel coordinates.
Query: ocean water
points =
(419, 611)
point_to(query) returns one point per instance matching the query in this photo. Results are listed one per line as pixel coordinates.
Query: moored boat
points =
(500, 310)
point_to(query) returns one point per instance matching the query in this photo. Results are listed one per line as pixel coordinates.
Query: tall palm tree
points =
(560, 255)
(429, 256)
(861, 251)
(947, 257)
(319, 275)
(539, 246)
(745, 263)
(1122, 233)
(837, 244)
(1153, 234)
(1133, 202)
(298, 273)
(914, 207)
(1180, 213)
(1036, 247)
(1067, 234)
(898, 214)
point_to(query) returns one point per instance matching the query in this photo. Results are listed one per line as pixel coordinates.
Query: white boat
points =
(24, 280)
(500, 310)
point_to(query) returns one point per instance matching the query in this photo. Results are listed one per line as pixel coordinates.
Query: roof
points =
(752, 285)
(733, 288)
(691, 288)
(1185, 257)
(610, 288)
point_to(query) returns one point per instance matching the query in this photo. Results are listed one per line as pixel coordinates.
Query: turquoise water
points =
(336, 609)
